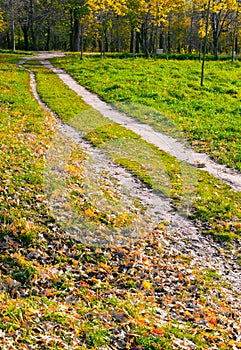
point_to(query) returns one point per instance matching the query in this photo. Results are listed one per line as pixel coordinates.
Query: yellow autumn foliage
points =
(2, 23)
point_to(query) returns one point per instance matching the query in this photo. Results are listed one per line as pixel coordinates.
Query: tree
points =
(79, 12)
(177, 25)
(205, 39)
(135, 13)
(12, 17)
(221, 17)
(105, 11)
(160, 12)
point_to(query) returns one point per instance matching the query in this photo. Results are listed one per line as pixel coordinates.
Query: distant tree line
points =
(136, 26)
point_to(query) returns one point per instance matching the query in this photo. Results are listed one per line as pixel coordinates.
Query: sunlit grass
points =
(212, 201)
(209, 116)
(57, 293)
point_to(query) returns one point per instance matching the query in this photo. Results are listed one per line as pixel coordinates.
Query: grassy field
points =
(209, 116)
(56, 293)
(214, 204)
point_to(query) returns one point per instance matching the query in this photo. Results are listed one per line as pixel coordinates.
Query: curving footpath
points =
(184, 237)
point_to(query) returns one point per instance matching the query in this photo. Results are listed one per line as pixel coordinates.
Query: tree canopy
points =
(122, 25)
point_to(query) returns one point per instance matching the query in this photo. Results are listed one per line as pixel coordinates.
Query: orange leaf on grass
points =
(158, 331)
(212, 321)
(89, 212)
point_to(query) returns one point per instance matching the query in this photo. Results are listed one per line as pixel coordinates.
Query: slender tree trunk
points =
(161, 39)
(8, 40)
(190, 36)
(32, 27)
(81, 40)
(71, 39)
(235, 34)
(215, 46)
(102, 42)
(34, 37)
(132, 41)
(25, 29)
(118, 40)
(156, 46)
(236, 43)
(137, 48)
(169, 34)
(205, 42)
(215, 21)
(76, 35)
(144, 41)
(151, 40)
(12, 26)
(106, 49)
(233, 45)
(47, 44)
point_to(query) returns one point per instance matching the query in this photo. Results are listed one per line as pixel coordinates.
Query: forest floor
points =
(169, 287)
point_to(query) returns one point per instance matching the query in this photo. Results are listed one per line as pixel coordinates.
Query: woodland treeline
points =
(139, 26)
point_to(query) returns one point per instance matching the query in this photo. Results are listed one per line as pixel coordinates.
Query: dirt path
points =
(183, 237)
(162, 141)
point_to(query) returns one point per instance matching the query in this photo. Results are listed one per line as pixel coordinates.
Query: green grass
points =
(208, 116)
(56, 293)
(214, 204)
(122, 145)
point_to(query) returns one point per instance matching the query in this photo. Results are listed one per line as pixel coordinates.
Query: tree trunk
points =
(71, 39)
(82, 40)
(169, 35)
(118, 40)
(34, 37)
(205, 42)
(152, 40)
(25, 28)
(215, 23)
(236, 43)
(132, 41)
(106, 49)
(12, 27)
(144, 33)
(76, 34)
(134, 44)
(47, 44)
(190, 36)
(161, 40)
(215, 46)
(9, 41)
(32, 29)
(137, 48)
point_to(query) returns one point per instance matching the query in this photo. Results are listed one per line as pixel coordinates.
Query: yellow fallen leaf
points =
(89, 212)
(105, 266)
(146, 285)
